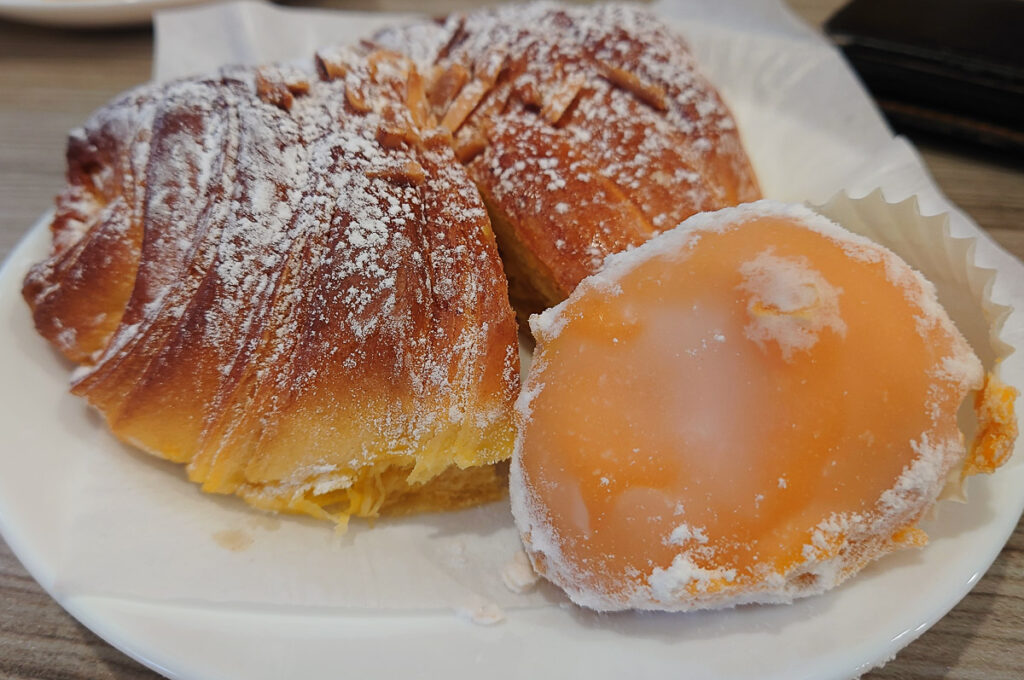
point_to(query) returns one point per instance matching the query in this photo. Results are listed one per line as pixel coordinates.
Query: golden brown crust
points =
(289, 282)
(78, 294)
(309, 310)
(586, 130)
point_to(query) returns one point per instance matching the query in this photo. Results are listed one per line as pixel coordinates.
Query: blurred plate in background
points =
(87, 13)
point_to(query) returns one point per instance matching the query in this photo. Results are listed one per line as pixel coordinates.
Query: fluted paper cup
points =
(965, 290)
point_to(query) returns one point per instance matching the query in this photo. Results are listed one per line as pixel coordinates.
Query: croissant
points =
(289, 285)
(290, 281)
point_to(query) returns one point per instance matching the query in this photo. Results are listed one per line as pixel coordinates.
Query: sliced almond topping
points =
(273, 91)
(409, 173)
(561, 98)
(458, 35)
(330, 69)
(415, 172)
(528, 93)
(390, 137)
(446, 84)
(357, 99)
(470, 144)
(437, 72)
(464, 104)
(416, 100)
(393, 134)
(277, 86)
(649, 93)
(386, 65)
(489, 67)
(298, 85)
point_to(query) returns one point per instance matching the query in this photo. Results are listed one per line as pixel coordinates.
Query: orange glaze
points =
(659, 407)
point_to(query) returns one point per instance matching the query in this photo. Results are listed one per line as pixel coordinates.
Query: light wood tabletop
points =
(51, 79)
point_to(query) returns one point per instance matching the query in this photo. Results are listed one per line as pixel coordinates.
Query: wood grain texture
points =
(51, 79)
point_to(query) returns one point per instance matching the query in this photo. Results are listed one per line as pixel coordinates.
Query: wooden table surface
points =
(51, 79)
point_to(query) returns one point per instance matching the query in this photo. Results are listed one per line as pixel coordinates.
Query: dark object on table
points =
(953, 67)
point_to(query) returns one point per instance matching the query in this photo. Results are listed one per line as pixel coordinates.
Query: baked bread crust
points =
(289, 282)
(291, 286)
(587, 130)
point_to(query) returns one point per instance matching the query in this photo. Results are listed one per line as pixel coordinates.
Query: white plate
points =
(838, 635)
(88, 13)
(802, 151)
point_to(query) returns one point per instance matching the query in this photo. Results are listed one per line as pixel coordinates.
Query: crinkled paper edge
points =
(964, 288)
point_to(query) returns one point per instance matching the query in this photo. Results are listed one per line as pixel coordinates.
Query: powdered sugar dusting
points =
(840, 544)
(790, 303)
(309, 244)
(601, 109)
(684, 534)
(683, 578)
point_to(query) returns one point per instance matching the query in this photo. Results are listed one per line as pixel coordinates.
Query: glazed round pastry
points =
(749, 408)
(587, 131)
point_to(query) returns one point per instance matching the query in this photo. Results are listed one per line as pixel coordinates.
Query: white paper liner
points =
(925, 242)
(138, 529)
(964, 289)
